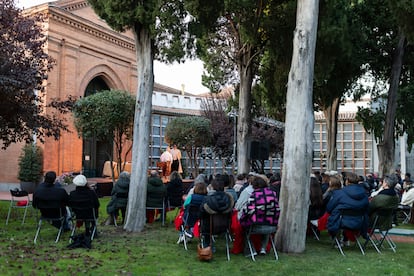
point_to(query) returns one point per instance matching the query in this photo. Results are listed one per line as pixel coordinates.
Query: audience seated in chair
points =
(83, 200)
(191, 212)
(334, 184)
(47, 191)
(119, 198)
(216, 202)
(261, 213)
(156, 193)
(351, 197)
(387, 198)
(175, 190)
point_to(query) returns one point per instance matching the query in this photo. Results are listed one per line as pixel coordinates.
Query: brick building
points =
(89, 56)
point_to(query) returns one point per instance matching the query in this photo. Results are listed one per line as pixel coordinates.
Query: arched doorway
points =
(95, 152)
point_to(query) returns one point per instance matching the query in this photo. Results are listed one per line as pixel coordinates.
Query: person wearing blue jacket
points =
(351, 197)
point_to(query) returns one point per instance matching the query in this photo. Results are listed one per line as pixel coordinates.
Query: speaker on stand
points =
(258, 150)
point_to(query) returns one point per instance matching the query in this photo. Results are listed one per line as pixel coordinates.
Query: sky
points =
(187, 73)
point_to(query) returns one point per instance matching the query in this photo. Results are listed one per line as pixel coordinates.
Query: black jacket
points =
(84, 197)
(48, 195)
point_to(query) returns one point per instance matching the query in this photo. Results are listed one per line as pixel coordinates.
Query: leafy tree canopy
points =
(222, 126)
(189, 132)
(167, 22)
(105, 114)
(24, 66)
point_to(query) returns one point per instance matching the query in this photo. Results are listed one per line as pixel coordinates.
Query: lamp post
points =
(233, 115)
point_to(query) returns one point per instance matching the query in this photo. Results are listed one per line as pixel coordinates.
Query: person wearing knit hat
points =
(85, 197)
(80, 180)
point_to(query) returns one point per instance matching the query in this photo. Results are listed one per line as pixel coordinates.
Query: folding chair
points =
(314, 229)
(123, 214)
(19, 200)
(220, 226)
(120, 208)
(381, 224)
(52, 212)
(162, 208)
(259, 229)
(357, 214)
(83, 212)
(405, 211)
(190, 218)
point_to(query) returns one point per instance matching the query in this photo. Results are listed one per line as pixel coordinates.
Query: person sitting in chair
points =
(119, 198)
(84, 197)
(48, 194)
(387, 198)
(262, 209)
(216, 202)
(156, 192)
(351, 197)
(193, 202)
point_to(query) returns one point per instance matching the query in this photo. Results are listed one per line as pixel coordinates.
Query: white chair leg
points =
(8, 214)
(39, 225)
(271, 236)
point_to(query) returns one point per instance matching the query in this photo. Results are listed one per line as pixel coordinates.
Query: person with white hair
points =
(83, 193)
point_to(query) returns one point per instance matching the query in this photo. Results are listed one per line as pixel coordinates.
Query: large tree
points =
(159, 31)
(24, 67)
(390, 28)
(238, 34)
(107, 115)
(294, 194)
(339, 63)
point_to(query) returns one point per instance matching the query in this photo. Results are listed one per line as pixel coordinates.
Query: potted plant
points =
(30, 167)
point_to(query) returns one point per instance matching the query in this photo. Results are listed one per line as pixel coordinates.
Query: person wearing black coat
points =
(47, 195)
(175, 190)
(84, 197)
(216, 202)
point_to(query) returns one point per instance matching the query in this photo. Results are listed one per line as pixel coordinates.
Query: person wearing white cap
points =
(87, 196)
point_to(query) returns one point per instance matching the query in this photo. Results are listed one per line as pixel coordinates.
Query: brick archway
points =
(109, 76)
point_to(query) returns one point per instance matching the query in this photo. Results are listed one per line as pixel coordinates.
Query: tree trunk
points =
(142, 123)
(294, 198)
(386, 149)
(331, 120)
(244, 116)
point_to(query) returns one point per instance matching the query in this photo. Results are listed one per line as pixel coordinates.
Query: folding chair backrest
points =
(353, 212)
(122, 195)
(83, 209)
(221, 222)
(84, 213)
(50, 208)
(383, 219)
(18, 193)
(192, 214)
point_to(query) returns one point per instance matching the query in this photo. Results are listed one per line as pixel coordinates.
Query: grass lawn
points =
(155, 252)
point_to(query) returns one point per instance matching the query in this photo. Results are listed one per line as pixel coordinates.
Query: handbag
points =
(206, 253)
